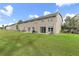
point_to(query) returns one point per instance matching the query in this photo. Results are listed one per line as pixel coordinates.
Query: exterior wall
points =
(13, 27)
(54, 22)
(58, 24)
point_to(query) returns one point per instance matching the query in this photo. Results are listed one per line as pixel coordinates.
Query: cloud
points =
(33, 16)
(14, 20)
(63, 4)
(68, 14)
(57, 10)
(5, 24)
(36, 16)
(0, 25)
(10, 23)
(71, 15)
(8, 10)
(46, 12)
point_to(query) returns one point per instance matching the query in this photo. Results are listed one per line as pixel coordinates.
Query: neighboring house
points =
(45, 24)
(11, 27)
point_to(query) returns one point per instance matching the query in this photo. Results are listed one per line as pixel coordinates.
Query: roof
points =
(43, 17)
(10, 25)
(40, 18)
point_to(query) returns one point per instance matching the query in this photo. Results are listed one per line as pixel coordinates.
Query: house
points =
(11, 27)
(45, 24)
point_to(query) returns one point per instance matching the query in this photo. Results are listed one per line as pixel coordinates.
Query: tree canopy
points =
(71, 24)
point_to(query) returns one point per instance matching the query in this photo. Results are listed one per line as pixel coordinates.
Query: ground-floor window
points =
(43, 29)
(29, 29)
(50, 29)
(33, 29)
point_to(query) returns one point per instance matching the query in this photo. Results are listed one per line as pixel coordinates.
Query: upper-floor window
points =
(42, 20)
(50, 19)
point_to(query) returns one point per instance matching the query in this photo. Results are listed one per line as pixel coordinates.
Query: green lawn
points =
(18, 43)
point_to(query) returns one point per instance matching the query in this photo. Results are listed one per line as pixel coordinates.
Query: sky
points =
(12, 12)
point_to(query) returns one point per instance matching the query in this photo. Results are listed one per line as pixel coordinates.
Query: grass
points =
(14, 43)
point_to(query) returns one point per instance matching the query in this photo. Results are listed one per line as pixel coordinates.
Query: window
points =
(33, 28)
(50, 29)
(29, 29)
(43, 29)
(50, 19)
(42, 20)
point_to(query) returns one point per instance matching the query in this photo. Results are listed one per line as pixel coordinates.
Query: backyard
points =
(28, 44)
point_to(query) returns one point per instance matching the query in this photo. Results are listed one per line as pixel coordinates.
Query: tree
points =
(19, 22)
(17, 27)
(3, 27)
(71, 24)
